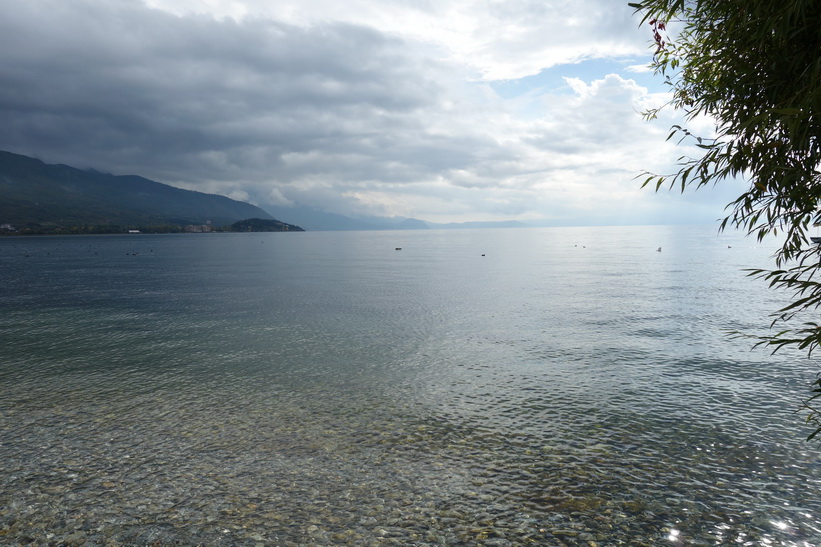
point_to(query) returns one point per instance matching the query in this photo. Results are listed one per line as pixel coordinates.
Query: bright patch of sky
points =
(553, 80)
(455, 110)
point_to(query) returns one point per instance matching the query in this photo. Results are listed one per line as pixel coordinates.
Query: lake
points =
(556, 386)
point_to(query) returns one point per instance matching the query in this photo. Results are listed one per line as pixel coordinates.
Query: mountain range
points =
(316, 219)
(46, 198)
(36, 197)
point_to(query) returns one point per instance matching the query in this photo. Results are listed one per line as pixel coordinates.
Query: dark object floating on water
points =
(399, 248)
(483, 254)
(658, 250)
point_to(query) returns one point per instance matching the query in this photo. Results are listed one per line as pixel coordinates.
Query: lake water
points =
(563, 386)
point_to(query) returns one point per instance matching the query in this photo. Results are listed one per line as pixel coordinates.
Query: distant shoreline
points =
(125, 233)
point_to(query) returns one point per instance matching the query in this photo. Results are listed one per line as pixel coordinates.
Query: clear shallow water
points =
(571, 386)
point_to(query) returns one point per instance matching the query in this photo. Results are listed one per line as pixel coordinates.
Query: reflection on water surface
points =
(284, 389)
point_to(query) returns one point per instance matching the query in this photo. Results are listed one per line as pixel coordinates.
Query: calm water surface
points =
(499, 387)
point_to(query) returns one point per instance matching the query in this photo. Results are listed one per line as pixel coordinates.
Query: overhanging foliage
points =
(753, 66)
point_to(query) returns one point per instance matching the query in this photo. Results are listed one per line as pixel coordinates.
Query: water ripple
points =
(332, 391)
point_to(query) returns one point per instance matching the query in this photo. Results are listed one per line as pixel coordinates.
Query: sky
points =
(445, 111)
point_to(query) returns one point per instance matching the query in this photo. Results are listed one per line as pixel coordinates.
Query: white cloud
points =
(639, 69)
(501, 39)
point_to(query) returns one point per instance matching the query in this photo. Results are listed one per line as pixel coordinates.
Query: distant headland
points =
(39, 198)
(263, 225)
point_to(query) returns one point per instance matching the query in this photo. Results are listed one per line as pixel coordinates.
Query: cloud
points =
(309, 103)
(639, 69)
(201, 90)
(500, 40)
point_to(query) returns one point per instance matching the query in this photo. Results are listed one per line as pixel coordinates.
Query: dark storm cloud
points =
(126, 88)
